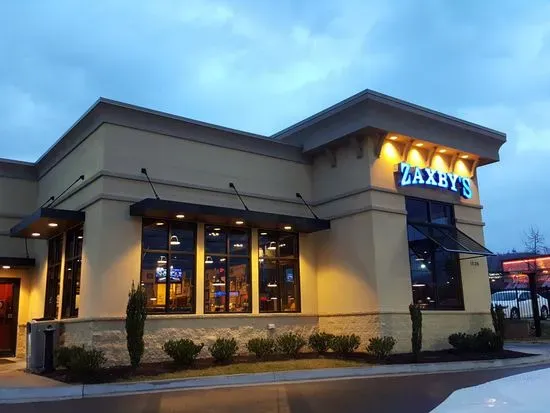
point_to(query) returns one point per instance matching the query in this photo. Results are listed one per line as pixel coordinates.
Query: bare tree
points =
(534, 242)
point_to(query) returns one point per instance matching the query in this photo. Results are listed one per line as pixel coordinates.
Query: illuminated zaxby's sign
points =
(408, 175)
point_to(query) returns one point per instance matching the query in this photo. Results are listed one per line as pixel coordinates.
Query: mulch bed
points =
(120, 373)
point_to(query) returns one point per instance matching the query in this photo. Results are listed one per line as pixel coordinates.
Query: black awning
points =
(17, 262)
(451, 239)
(216, 215)
(47, 223)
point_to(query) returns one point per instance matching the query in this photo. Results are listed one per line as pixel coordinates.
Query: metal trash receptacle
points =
(36, 341)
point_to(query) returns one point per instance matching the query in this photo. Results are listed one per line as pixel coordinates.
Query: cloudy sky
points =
(263, 65)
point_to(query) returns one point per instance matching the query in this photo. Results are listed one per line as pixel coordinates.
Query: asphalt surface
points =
(411, 394)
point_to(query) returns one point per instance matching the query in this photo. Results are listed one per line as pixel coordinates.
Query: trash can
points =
(36, 343)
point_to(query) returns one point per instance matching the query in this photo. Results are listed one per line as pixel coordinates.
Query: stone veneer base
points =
(109, 334)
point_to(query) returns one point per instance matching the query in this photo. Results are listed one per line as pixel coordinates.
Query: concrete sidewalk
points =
(13, 375)
(35, 388)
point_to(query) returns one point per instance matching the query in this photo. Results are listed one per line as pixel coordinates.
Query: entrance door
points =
(9, 303)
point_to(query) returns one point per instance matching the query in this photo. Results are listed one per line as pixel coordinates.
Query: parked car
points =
(517, 303)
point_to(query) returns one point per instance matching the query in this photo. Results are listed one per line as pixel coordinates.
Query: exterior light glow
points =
(464, 156)
(442, 150)
(52, 224)
(174, 240)
(420, 145)
(180, 216)
(393, 138)
(6, 267)
(35, 234)
(239, 222)
(287, 227)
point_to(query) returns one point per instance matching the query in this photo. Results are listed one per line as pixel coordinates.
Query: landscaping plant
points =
(136, 313)
(345, 345)
(381, 347)
(223, 350)
(462, 342)
(290, 344)
(497, 314)
(81, 363)
(416, 338)
(261, 347)
(484, 341)
(183, 351)
(320, 342)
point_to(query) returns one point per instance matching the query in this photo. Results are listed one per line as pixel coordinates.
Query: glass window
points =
(168, 266)
(226, 270)
(53, 277)
(71, 278)
(279, 272)
(435, 273)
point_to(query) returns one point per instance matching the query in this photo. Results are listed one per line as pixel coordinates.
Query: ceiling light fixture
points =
(180, 216)
(272, 284)
(52, 224)
(6, 267)
(263, 233)
(217, 229)
(393, 138)
(174, 240)
(272, 246)
(162, 260)
(239, 222)
(209, 260)
(419, 145)
(287, 227)
(442, 150)
(237, 245)
(80, 237)
(464, 156)
(35, 234)
(159, 224)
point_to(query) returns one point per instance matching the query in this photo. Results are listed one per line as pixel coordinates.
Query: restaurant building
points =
(336, 223)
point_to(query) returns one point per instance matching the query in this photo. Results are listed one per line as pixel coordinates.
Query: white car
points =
(517, 303)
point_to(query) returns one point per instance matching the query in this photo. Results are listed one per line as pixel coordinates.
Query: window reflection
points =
(279, 275)
(226, 270)
(71, 278)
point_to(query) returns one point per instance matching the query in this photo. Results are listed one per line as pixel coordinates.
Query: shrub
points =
(290, 344)
(320, 342)
(136, 313)
(183, 351)
(81, 363)
(497, 314)
(487, 341)
(345, 345)
(224, 349)
(416, 337)
(381, 347)
(462, 342)
(261, 347)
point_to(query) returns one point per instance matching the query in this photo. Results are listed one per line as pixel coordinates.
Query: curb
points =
(42, 394)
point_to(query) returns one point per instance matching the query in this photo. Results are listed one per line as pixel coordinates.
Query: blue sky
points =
(263, 65)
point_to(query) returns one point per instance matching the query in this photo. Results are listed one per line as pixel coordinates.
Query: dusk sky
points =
(260, 66)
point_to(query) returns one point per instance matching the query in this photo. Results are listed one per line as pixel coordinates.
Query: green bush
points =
(416, 337)
(320, 342)
(290, 344)
(381, 347)
(136, 313)
(80, 362)
(183, 351)
(497, 314)
(484, 341)
(261, 347)
(224, 349)
(345, 345)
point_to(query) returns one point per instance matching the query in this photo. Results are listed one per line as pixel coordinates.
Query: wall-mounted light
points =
(174, 240)
(272, 246)
(35, 234)
(209, 260)
(162, 260)
(52, 224)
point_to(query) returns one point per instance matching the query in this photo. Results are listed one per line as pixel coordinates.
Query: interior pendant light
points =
(272, 246)
(272, 284)
(174, 240)
(162, 260)
(209, 260)
(218, 282)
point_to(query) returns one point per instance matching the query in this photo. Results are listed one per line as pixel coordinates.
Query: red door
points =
(9, 297)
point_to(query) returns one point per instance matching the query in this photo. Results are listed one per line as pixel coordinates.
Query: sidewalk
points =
(20, 387)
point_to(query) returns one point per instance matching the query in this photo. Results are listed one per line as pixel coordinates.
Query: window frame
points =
(71, 259)
(228, 255)
(168, 253)
(53, 278)
(432, 255)
(278, 259)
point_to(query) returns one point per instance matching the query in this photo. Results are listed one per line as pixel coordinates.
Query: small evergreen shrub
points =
(183, 351)
(416, 337)
(261, 347)
(462, 342)
(320, 342)
(290, 344)
(381, 347)
(497, 314)
(81, 363)
(345, 345)
(136, 313)
(223, 350)
(484, 341)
